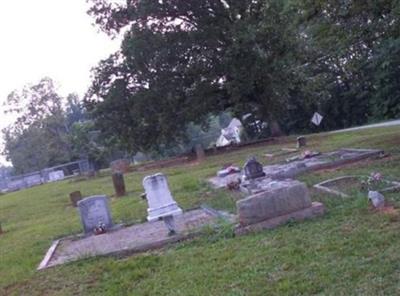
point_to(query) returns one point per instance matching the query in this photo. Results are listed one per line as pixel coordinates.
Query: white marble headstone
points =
(159, 198)
(94, 211)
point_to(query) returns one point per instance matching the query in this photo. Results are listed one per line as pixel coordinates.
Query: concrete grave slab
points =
(294, 168)
(315, 210)
(279, 198)
(278, 203)
(133, 239)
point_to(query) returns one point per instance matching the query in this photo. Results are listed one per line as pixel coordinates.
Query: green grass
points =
(349, 251)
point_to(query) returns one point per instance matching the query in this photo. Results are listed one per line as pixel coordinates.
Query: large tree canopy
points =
(182, 60)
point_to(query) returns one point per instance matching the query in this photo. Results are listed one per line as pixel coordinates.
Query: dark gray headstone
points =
(94, 211)
(119, 184)
(301, 142)
(75, 197)
(253, 169)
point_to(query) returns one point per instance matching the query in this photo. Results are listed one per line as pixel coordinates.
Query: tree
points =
(182, 60)
(39, 136)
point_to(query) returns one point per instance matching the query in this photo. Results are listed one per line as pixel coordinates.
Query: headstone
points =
(119, 184)
(199, 152)
(75, 197)
(56, 176)
(301, 142)
(94, 212)
(279, 199)
(120, 166)
(1, 229)
(253, 169)
(376, 198)
(159, 198)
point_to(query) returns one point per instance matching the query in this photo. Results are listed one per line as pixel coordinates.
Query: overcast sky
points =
(52, 38)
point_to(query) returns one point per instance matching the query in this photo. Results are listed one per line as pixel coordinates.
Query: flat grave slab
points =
(129, 240)
(323, 161)
(345, 185)
(291, 170)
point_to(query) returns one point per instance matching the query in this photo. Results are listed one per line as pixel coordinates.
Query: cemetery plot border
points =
(326, 186)
(133, 239)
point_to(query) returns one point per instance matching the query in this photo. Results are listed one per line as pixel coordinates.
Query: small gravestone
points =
(95, 213)
(119, 184)
(1, 230)
(161, 204)
(75, 197)
(200, 154)
(301, 142)
(253, 169)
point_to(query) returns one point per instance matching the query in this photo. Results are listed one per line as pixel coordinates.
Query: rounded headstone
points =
(301, 142)
(95, 212)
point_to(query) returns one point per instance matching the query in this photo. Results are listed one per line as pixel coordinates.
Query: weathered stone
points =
(253, 169)
(317, 209)
(75, 197)
(159, 198)
(282, 198)
(376, 198)
(120, 166)
(119, 184)
(95, 212)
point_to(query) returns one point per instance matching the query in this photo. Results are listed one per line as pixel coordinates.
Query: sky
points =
(53, 38)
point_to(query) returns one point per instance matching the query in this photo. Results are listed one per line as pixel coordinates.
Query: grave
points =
(344, 186)
(302, 165)
(133, 239)
(119, 184)
(159, 197)
(301, 142)
(75, 197)
(94, 212)
(200, 154)
(253, 169)
(280, 202)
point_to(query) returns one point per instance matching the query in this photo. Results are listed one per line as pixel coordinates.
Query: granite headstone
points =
(253, 169)
(95, 212)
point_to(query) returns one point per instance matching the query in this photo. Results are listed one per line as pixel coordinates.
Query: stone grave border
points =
(215, 214)
(322, 186)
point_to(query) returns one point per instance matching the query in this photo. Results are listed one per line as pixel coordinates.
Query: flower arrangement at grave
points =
(100, 228)
(374, 182)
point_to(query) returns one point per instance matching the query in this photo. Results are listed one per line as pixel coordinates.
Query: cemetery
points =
(286, 219)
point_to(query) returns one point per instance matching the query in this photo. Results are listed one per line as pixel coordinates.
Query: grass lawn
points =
(349, 251)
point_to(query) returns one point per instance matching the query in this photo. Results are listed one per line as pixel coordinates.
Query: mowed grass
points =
(350, 251)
